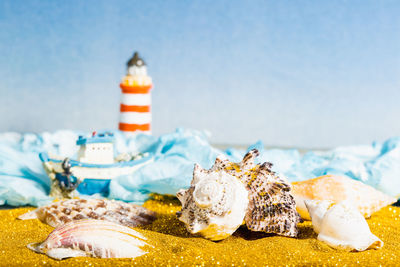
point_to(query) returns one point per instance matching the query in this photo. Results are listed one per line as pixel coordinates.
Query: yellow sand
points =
(174, 246)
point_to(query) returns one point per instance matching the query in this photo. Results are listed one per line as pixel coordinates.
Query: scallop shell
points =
(340, 188)
(259, 197)
(64, 211)
(341, 226)
(92, 238)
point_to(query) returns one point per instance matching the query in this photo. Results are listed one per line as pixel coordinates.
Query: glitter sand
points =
(174, 246)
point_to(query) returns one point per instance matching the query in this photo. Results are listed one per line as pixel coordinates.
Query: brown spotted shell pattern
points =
(67, 210)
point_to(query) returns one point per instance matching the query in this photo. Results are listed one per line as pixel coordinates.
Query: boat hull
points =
(93, 178)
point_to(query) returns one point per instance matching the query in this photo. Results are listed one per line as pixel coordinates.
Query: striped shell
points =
(64, 211)
(91, 238)
(269, 205)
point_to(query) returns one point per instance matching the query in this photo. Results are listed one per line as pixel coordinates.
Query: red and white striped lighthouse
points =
(136, 99)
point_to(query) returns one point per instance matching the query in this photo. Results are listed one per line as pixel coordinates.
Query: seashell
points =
(64, 211)
(219, 199)
(91, 238)
(341, 226)
(215, 204)
(339, 188)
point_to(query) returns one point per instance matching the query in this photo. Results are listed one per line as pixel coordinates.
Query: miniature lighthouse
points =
(136, 98)
(97, 149)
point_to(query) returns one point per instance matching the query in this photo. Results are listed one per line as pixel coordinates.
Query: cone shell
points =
(64, 211)
(341, 226)
(340, 188)
(268, 204)
(92, 238)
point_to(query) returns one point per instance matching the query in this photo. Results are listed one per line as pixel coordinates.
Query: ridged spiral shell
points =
(215, 204)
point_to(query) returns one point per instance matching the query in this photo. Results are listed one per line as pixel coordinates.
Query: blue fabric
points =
(24, 182)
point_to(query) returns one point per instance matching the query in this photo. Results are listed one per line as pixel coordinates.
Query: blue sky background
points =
(291, 73)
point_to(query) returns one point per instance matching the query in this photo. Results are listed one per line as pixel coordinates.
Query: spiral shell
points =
(215, 204)
(219, 199)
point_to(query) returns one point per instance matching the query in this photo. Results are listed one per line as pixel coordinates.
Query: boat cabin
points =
(97, 149)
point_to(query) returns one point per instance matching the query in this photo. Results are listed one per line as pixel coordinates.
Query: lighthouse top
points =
(137, 72)
(136, 65)
(135, 61)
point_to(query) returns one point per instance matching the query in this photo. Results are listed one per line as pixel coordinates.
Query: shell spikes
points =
(272, 208)
(91, 238)
(219, 199)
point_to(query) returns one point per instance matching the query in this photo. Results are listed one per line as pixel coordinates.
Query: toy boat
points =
(93, 170)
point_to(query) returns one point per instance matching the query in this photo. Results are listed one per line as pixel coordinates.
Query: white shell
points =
(215, 204)
(341, 226)
(91, 238)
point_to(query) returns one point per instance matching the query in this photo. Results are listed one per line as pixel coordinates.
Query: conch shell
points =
(92, 238)
(339, 188)
(215, 204)
(341, 226)
(220, 199)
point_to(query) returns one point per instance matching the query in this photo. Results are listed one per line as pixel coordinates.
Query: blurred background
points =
(310, 74)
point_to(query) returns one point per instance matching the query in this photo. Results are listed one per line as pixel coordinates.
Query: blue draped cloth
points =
(23, 180)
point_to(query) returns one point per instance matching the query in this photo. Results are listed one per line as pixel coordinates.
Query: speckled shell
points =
(68, 210)
(341, 225)
(271, 208)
